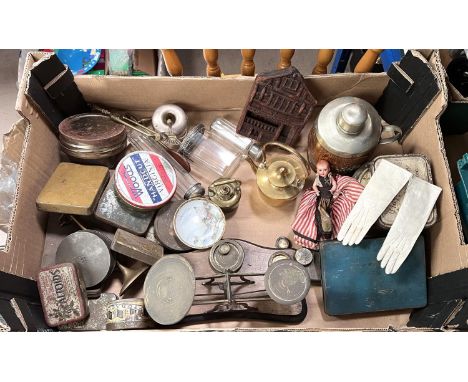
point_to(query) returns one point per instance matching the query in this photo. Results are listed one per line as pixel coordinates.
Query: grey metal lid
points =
(348, 126)
(191, 140)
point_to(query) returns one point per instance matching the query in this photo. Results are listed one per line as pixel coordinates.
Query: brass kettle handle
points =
(288, 149)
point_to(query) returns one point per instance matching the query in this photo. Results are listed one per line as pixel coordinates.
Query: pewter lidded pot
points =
(346, 132)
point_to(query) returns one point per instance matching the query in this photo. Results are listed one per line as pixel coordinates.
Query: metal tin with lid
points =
(92, 136)
(346, 132)
(90, 252)
(145, 180)
(164, 227)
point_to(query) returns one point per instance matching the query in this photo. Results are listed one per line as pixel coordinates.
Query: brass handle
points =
(288, 149)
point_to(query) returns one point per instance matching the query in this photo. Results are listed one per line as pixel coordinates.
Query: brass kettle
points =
(281, 177)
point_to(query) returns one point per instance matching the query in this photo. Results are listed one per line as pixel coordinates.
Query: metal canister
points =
(225, 193)
(346, 132)
(128, 314)
(91, 137)
(164, 227)
(145, 180)
(89, 251)
(63, 294)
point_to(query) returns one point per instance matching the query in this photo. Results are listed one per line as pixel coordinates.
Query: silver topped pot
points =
(346, 132)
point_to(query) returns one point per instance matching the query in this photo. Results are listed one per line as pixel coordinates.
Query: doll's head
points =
(323, 168)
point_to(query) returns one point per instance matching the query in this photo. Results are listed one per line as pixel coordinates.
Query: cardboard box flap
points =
(412, 88)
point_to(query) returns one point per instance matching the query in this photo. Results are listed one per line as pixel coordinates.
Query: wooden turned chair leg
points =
(173, 64)
(367, 61)
(285, 58)
(248, 65)
(211, 58)
(324, 58)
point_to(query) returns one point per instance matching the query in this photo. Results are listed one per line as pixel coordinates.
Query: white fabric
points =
(387, 180)
(415, 209)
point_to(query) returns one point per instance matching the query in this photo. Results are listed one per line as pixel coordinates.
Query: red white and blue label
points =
(145, 179)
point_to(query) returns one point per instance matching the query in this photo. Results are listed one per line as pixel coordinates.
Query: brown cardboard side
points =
(143, 94)
(145, 60)
(447, 250)
(255, 220)
(36, 149)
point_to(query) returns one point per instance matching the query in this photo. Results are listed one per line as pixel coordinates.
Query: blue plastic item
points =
(79, 61)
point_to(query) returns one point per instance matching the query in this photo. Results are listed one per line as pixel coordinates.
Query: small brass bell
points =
(282, 176)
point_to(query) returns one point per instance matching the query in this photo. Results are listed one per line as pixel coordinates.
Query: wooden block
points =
(137, 248)
(73, 189)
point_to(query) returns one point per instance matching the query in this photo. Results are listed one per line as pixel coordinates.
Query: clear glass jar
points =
(187, 185)
(224, 132)
(208, 154)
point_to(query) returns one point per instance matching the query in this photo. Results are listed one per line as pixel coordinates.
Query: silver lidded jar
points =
(346, 132)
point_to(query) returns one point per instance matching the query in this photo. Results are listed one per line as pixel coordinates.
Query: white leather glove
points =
(385, 184)
(418, 202)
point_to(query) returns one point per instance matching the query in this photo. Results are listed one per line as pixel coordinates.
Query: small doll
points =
(324, 208)
(324, 187)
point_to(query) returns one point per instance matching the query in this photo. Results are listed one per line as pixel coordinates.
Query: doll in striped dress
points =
(324, 208)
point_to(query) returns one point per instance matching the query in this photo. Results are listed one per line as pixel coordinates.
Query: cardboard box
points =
(204, 99)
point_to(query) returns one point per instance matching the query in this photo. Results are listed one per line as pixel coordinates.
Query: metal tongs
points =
(132, 123)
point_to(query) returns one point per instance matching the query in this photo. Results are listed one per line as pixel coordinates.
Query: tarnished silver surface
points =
(97, 318)
(169, 289)
(304, 256)
(128, 314)
(115, 212)
(164, 227)
(287, 282)
(90, 253)
(226, 256)
(349, 126)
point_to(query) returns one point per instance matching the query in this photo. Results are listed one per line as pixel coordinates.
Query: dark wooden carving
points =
(278, 107)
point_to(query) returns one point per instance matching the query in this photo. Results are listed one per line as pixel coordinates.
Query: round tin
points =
(169, 289)
(145, 180)
(128, 313)
(287, 282)
(199, 223)
(226, 256)
(90, 252)
(304, 256)
(92, 136)
(164, 227)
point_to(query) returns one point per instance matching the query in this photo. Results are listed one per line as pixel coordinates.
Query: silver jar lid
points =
(191, 140)
(348, 126)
